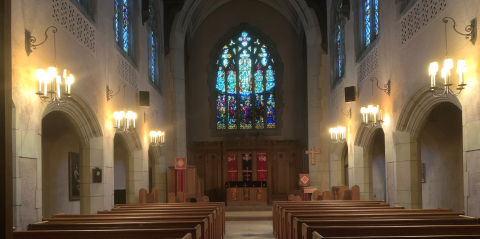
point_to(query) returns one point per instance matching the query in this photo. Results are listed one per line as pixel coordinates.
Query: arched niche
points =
(367, 148)
(128, 151)
(338, 161)
(78, 119)
(408, 182)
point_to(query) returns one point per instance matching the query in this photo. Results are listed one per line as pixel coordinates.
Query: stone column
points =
(319, 173)
(92, 195)
(362, 168)
(134, 176)
(408, 191)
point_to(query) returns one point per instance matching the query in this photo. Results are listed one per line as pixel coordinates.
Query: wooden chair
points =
(326, 195)
(290, 197)
(315, 195)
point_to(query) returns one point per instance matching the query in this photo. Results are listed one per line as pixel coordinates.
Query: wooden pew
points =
(185, 233)
(110, 225)
(387, 221)
(423, 230)
(211, 229)
(317, 236)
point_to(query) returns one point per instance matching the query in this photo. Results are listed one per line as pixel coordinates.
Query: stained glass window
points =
(122, 24)
(339, 33)
(370, 21)
(245, 100)
(152, 56)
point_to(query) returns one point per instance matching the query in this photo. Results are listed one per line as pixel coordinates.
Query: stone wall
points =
(410, 38)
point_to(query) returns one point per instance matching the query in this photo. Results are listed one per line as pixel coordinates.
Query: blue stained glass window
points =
(245, 100)
(122, 24)
(367, 23)
(339, 51)
(117, 30)
(152, 56)
(376, 17)
(125, 25)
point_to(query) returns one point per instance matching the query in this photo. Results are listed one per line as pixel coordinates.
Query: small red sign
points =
(180, 163)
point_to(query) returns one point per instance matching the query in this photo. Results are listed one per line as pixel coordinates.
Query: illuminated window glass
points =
(339, 43)
(370, 20)
(122, 24)
(245, 84)
(152, 56)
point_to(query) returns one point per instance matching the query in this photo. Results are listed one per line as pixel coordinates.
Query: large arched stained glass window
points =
(245, 84)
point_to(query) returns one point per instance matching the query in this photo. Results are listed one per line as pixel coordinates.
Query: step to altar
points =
(248, 213)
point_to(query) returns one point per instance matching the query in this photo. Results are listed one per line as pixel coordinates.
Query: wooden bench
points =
(356, 231)
(388, 221)
(185, 233)
(317, 236)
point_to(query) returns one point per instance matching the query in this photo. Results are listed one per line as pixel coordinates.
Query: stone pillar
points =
(134, 176)
(316, 83)
(408, 191)
(362, 168)
(92, 195)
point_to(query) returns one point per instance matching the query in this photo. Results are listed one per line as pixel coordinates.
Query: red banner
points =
(261, 166)
(232, 166)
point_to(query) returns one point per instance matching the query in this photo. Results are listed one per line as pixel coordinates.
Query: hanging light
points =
(125, 122)
(52, 92)
(448, 65)
(157, 138)
(372, 116)
(337, 134)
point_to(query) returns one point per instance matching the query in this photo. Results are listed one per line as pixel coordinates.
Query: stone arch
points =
(407, 183)
(418, 107)
(81, 114)
(90, 134)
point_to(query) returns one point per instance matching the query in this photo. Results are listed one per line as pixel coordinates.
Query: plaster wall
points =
(406, 66)
(93, 71)
(441, 146)
(289, 45)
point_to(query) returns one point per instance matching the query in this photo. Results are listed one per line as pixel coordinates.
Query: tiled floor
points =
(248, 229)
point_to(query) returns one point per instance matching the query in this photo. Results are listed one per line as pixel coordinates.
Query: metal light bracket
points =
(471, 30)
(387, 86)
(31, 40)
(110, 93)
(146, 117)
(348, 113)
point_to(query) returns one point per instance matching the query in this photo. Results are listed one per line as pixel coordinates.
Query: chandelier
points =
(372, 116)
(157, 138)
(53, 92)
(448, 65)
(337, 134)
(124, 122)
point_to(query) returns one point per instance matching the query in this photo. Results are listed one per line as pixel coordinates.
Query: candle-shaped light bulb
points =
(448, 64)
(433, 71)
(134, 117)
(363, 110)
(461, 67)
(58, 81)
(115, 115)
(153, 137)
(40, 75)
(68, 83)
(121, 116)
(331, 133)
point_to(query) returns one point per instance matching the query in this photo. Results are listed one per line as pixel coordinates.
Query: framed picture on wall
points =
(73, 176)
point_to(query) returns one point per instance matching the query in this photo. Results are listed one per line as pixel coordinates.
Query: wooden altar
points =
(284, 160)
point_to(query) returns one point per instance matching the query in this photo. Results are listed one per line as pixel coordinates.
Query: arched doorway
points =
(61, 165)
(120, 169)
(378, 166)
(151, 171)
(441, 168)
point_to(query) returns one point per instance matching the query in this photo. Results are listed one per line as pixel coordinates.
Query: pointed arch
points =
(78, 111)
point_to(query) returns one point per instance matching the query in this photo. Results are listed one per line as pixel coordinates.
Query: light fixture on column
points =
(448, 64)
(157, 138)
(337, 134)
(124, 122)
(53, 92)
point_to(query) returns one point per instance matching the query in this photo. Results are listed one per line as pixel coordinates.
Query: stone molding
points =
(132, 140)
(418, 107)
(79, 112)
(364, 135)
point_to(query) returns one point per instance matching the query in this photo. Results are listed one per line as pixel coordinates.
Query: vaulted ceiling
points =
(191, 14)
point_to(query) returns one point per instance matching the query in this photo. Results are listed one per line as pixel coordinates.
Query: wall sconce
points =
(348, 113)
(124, 122)
(387, 86)
(50, 76)
(157, 138)
(337, 134)
(372, 116)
